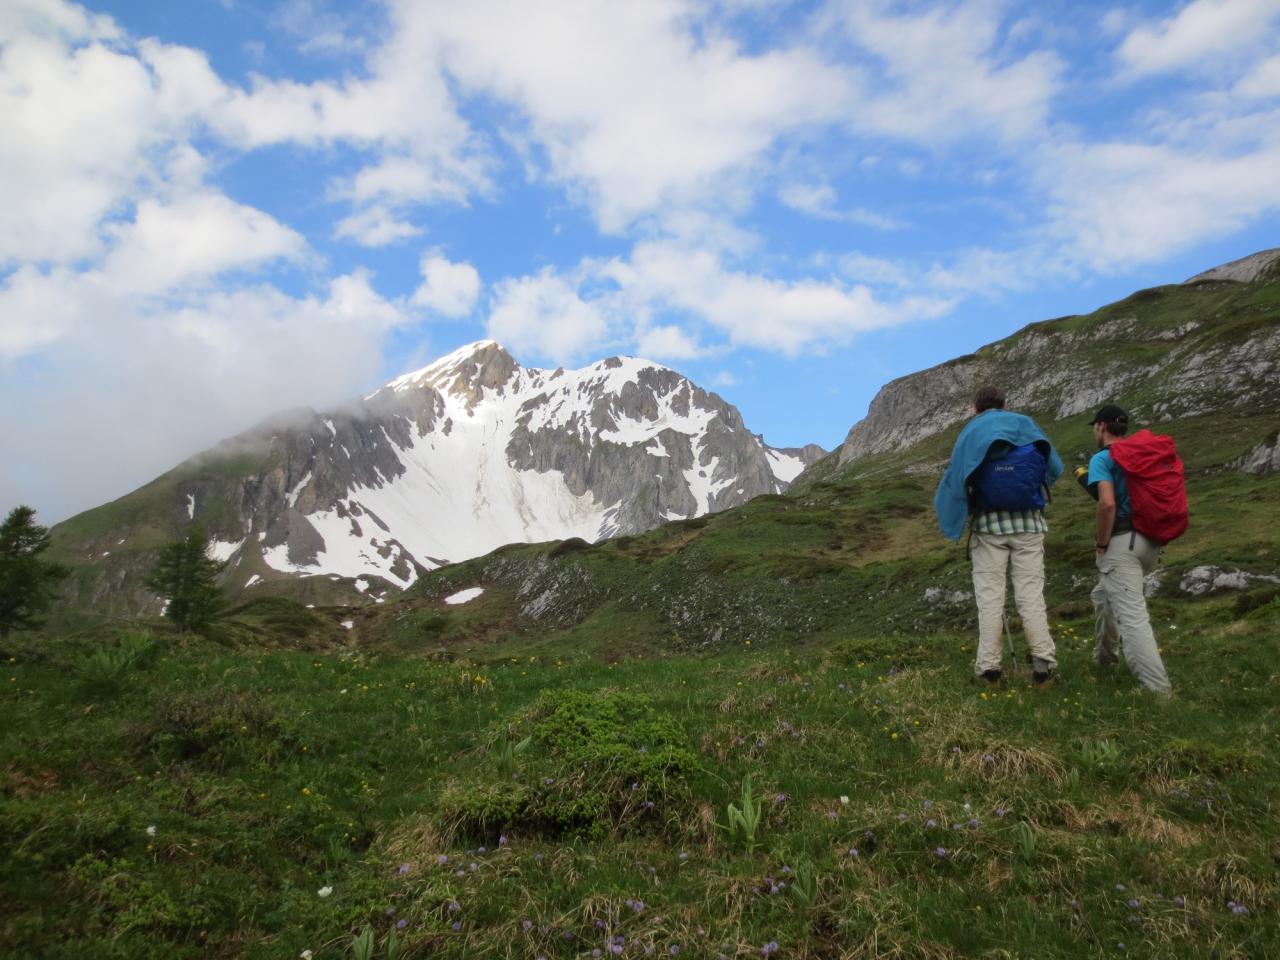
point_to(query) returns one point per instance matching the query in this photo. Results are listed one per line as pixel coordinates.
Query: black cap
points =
(1111, 414)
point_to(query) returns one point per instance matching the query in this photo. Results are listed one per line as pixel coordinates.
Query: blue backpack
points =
(1010, 478)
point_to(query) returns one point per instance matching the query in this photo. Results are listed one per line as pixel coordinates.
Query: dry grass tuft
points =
(1005, 763)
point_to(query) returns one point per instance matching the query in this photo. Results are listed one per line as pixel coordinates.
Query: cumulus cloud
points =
(544, 316)
(375, 226)
(943, 74)
(448, 289)
(820, 200)
(125, 387)
(630, 110)
(1120, 204)
(1202, 31)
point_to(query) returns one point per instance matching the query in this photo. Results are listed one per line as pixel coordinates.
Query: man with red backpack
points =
(1142, 505)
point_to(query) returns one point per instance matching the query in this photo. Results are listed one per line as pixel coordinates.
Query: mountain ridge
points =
(440, 464)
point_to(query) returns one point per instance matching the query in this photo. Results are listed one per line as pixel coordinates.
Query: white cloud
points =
(191, 240)
(1114, 205)
(666, 342)
(945, 75)
(127, 387)
(448, 289)
(1262, 82)
(1203, 30)
(544, 316)
(375, 226)
(820, 200)
(631, 109)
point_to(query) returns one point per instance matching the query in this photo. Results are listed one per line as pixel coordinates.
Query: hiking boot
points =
(991, 676)
(1041, 678)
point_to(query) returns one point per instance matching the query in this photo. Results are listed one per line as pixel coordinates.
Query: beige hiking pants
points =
(1120, 609)
(1022, 555)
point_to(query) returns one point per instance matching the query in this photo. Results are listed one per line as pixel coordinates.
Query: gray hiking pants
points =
(1021, 556)
(1120, 609)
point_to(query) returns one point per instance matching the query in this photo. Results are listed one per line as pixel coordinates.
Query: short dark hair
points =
(1115, 420)
(989, 398)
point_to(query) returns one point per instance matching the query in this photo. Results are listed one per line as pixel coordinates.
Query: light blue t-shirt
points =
(1103, 467)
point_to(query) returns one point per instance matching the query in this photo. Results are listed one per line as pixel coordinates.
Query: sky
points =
(216, 209)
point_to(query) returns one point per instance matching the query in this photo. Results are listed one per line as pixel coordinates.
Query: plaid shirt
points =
(1006, 521)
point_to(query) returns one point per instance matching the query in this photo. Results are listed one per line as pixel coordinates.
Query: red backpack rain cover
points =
(1157, 485)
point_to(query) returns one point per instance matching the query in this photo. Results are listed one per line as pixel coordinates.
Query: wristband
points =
(1101, 546)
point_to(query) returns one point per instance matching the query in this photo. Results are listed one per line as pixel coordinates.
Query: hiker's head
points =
(988, 398)
(1111, 421)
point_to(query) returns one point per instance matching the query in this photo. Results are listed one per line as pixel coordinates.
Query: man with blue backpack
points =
(1001, 469)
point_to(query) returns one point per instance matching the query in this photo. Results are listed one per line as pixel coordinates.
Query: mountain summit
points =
(449, 462)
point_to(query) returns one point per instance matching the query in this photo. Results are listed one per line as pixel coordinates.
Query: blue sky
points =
(214, 209)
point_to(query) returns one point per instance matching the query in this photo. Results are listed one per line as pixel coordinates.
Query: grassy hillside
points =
(548, 770)
(174, 797)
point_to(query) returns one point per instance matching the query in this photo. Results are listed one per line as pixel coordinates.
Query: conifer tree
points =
(27, 583)
(185, 575)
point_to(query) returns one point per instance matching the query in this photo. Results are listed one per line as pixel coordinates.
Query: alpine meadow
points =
(590, 479)
(748, 731)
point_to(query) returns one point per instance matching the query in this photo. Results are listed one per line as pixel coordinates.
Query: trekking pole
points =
(1008, 634)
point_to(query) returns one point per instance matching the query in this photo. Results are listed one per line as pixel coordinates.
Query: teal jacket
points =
(952, 498)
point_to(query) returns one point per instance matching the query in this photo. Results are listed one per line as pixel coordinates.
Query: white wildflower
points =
(324, 891)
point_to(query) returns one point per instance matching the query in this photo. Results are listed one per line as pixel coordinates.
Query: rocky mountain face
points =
(1168, 353)
(440, 465)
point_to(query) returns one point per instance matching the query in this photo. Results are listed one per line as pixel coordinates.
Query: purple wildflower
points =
(683, 856)
(404, 868)
(401, 924)
(457, 925)
(675, 949)
(1135, 903)
(527, 925)
(769, 949)
(853, 853)
(988, 758)
(931, 823)
(1001, 811)
(928, 804)
(503, 841)
(1179, 901)
(454, 906)
(442, 859)
(940, 853)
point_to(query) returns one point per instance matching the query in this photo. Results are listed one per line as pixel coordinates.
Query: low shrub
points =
(597, 764)
(217, 728)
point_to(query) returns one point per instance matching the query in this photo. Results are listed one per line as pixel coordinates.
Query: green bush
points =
(597, 764)
(218, 728)
(105, 672)
(883, 650)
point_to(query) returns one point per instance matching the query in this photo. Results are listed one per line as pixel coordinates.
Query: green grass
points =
(271, 774)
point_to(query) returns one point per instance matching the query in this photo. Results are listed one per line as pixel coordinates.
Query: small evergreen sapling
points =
(186, 576)
(27, 583)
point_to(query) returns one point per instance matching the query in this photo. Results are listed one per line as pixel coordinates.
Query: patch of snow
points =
(464, 596)
(120, 541)
(361, 585)
(332, 429)
(291, 497)
(106, 553)
(191, 506)
(222, 550)
(262, 535)
(784, 466)
(347, 624)
(311, 606)
(252, 580)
